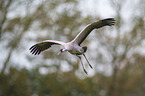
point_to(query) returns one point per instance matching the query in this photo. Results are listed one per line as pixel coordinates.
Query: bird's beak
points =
(62, 50)
(59, 52)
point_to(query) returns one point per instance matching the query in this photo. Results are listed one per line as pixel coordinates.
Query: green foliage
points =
(26, 82)
(118, 46)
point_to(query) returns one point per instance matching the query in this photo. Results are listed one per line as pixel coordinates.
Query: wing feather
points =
(41, 46)
(95, 25)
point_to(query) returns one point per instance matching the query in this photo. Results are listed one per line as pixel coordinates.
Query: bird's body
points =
(73, 46)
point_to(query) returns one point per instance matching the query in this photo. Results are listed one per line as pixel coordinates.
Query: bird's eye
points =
(61, 50)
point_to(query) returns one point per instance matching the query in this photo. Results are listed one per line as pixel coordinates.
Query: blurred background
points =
(116, 53)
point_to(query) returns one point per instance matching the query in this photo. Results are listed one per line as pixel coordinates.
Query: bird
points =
(74, 47)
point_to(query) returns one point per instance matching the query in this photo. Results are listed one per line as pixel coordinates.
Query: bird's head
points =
(61, 51)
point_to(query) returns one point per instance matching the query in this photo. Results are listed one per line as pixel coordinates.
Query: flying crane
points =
(74, 47)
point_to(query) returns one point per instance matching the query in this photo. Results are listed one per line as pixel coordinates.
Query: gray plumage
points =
(73, 46)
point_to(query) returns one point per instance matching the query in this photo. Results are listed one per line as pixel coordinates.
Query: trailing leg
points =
(87, 61)
(82, 65)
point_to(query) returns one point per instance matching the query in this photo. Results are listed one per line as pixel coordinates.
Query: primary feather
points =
(88, 29)
(41, 46)
(74, 46)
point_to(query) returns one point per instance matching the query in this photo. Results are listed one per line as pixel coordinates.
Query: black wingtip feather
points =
(35, 49)
(31, 47)
(110, 21)
(39, 51)
(85, 71)
(34, 52)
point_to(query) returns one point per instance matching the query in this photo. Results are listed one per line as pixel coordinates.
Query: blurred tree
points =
(27, 21)
(15, 83)
(26, 83)
(15, 28)
(123, 45)
(55, 20)
(4, 6)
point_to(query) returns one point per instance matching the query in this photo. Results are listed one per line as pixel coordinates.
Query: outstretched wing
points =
(95, 25)
(41, 46)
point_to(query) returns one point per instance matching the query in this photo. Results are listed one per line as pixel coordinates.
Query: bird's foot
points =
(85, 71)
(90, 66)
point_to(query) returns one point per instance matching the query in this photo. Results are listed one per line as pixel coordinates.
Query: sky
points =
(102, 6)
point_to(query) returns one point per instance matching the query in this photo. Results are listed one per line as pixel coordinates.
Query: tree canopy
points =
(116, 53)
